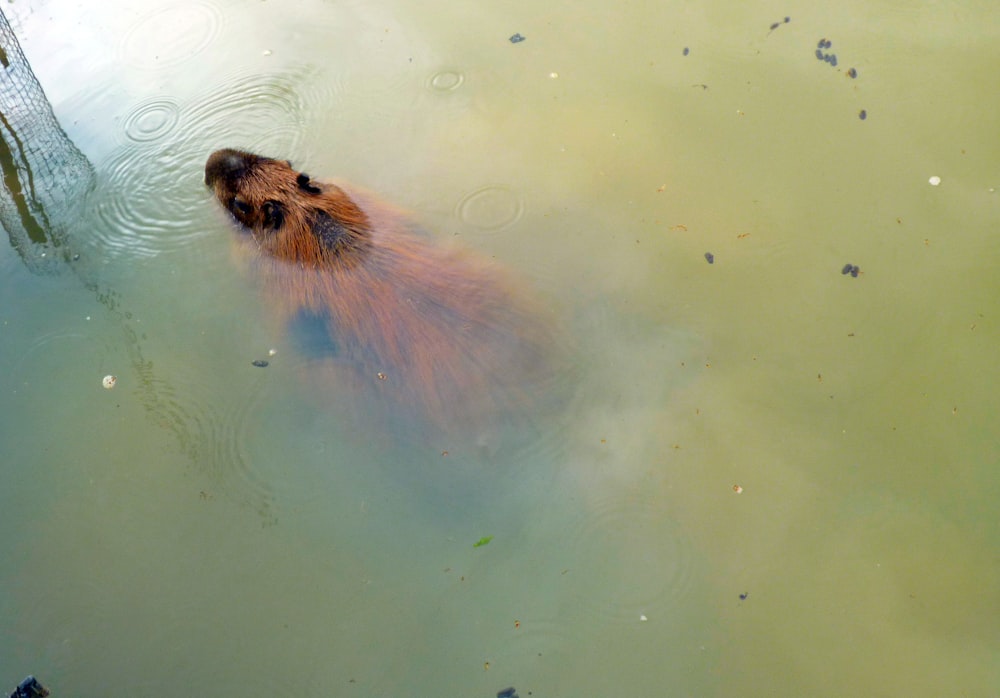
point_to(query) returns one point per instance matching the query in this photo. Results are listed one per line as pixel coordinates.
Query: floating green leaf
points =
(482, 541)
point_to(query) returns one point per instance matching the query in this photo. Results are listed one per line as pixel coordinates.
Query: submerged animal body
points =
(437, 329)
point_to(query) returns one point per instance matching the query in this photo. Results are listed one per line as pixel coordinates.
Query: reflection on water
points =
(45, 176)
(209, 522)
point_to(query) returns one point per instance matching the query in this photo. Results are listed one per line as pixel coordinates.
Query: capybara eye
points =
(241, 209)
(274, 215)
(305, 185)
(328, 229)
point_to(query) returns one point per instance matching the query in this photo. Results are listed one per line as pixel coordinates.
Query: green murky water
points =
(210, 524)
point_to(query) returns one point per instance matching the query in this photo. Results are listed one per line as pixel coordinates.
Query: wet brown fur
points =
(437, 328)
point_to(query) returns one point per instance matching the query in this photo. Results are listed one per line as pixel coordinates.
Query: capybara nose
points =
(226, 164)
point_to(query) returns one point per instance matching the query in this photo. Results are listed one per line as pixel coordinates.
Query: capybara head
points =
(287, 214)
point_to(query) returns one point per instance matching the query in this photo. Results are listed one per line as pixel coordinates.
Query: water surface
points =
(771, 478)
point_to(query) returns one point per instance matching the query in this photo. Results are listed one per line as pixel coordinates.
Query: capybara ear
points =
(274, 214)
(328, 230)
(305, 185)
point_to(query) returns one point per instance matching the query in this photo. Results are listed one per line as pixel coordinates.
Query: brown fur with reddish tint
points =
(437, 328)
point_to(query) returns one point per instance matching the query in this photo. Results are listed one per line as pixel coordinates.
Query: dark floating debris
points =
(743, 596)
(260, 363)
(778, 24)
(830, 58)
(686, 50)
(508, 692)
(30, 688)
(847, 269)
(516, 39)
(710, 258)
(851, 269)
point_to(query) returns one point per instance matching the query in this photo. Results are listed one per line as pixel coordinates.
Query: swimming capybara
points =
(438, 331)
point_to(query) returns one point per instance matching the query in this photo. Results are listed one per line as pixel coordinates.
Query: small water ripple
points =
(171, 35)
(150, 198)
(491, 208)
(151, 120)
(631, 559)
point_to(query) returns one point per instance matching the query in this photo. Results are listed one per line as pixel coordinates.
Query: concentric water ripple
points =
(262, 112)
(143, 208)
(233, 458)
(263, 445)
(446, 97)
(170, 35)
(151, 120)
(212, 433)
(63, 343)
(150, 197)
(630, 559)
(491, 208)
(446, 80)
(358, 100)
